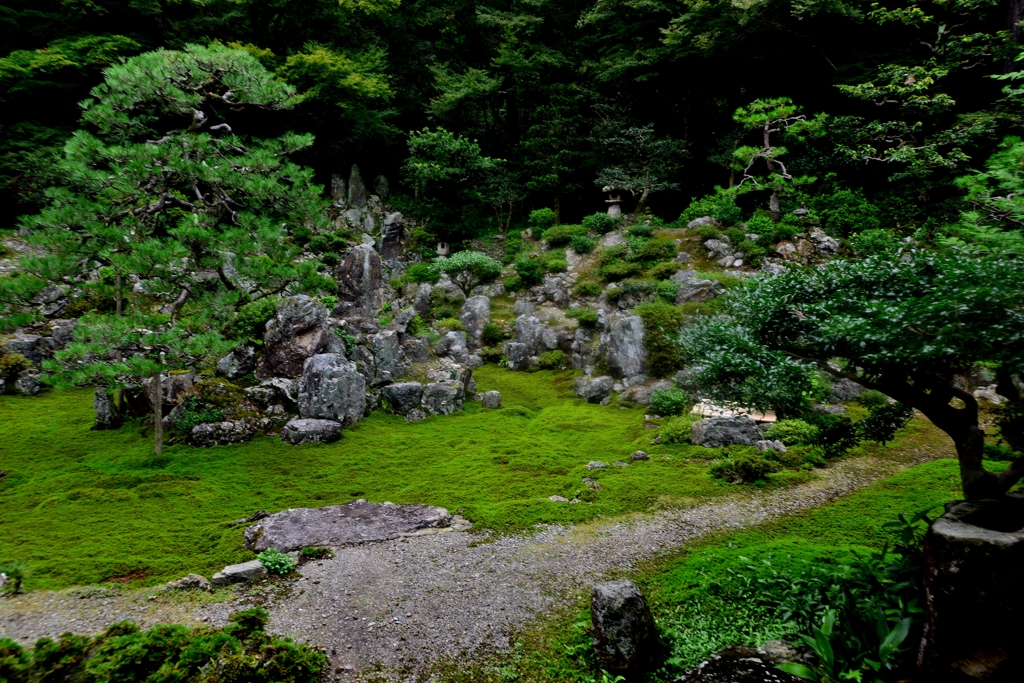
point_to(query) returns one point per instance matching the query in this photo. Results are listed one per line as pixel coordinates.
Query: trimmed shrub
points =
(581, 244)
(792, 432)
(468, 268)
(746, 466)
(672, 401)
(451, 324)
(640, 230)
(514, 283)
(721, 207)
(250, 322)
(318, 244)
(586, 317)
(609, 255)
(529, 270)
(655, 250)
(677, 430)
(667, 290)
(586, 288)
(551, 360)
(422, 272)
(665, 270)
(301, 234)
(661, 325)
(562, 234)
(708, 232)
(871, 399)
(620, 271)
(241, 651)
(541, 219)
(555, 263)
(613, 294)
(874, 242)
(600, 223)
(493, 333)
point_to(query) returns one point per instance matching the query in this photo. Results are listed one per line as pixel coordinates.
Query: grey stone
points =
(764, 445)
(556, 291)
(846, 390)
(596, 465)
(719, 248)
(391, 235)
(331, 388)
(261, 396)
(625, 638)
(239, 573)
(738, 664)
(717, 432)
(415, 350)
(172, 388)
(338, 190)
(558, 499)
(221, 433)
(62, 331)
(106, 411)
(619, 463)
(973, 571)
(286, 391)
(772, 268)
(701, 222)
(356, 187)
(238, 363)
(444, 398)
(387, 353)
(341, 525)
(592, 484)
(300, 430)
(403, 396)
(593, 389)
(421, 302)
(823, 243)
(32, 346)
(476, 313)
(195, 582)
(453, 345)
(698, 290)
(640, 394)
(626, 355)
(400, 323)
(416, 415)
(381, 187)
(682, 257)
(779, 651)
(522, 308)
(449, 290)
(491, 399)
(27, 382)
(297, 331)
(360, 282)
(519, 356)
(683, 275)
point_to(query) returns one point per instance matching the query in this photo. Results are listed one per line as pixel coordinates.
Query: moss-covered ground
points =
(81, 506)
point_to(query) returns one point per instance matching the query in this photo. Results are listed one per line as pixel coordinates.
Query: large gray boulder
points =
(300, 430)
(297, 331)
(415, 350)
(476, 313)
(32, 346)
(28, 382)
(403, 396)
(238, 363)
(221, 433)
(698, 290)
(641, 394)
(593, 389)
(106, 412)
(239, 573)
(718, 432)
(444, 398)
(454, 345)
(341, 525)
(536, 335)
(519, 356)
(846, 390)
(421, 301)
(387, 353)
(625, 638)
(331, 388)
(360, 279)
(626, 355)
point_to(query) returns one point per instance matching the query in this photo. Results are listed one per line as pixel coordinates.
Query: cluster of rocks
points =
(29, 347)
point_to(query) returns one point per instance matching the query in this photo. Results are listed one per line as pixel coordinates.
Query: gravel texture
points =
(402, 604)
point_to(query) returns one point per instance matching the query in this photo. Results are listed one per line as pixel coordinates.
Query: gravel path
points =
(403, 604)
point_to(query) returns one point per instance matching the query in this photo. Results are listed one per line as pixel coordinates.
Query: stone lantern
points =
(442, 249)
(614, 201)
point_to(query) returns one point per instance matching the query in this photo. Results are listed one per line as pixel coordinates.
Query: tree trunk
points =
(158, 409)
(117, 352)
(1013, 19)
(642, 203)
(558, 208)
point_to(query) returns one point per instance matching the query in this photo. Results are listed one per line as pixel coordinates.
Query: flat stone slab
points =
(238, 573)
(338, 525)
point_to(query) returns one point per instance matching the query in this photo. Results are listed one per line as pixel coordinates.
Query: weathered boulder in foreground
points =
(476, 313)
(626, 354)
(444, 398)
(717, 432)
(299, 430)
(221, 433)
(107, 416)
(593, 389)
(239, 573)
(360, 278)
(331, 388)
(625, 639)
(403, 396)
(974, 593)
(297, 331)
(338, 525)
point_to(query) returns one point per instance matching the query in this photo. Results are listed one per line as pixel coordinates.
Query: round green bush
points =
(542, 218)
(493, 333)
(792, 432)
(551, 360)
(620, 271)
(276, 562)
(581, 244)
(585, 288)
(586, 317)
(600, 223)
(451, 324)
(655, 250)
(529, 270)
(677, 430)
(555, 265)
(672, 401)
(719, 206)
(668, 289)
(562, 234)
(665, 270)
(514, 283)
(422, 272)
(318, 244)
(640, 230)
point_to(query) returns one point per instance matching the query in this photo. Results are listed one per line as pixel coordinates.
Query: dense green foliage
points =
(241, 651)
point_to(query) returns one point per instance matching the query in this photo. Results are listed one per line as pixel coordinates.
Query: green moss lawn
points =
(83, 507)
